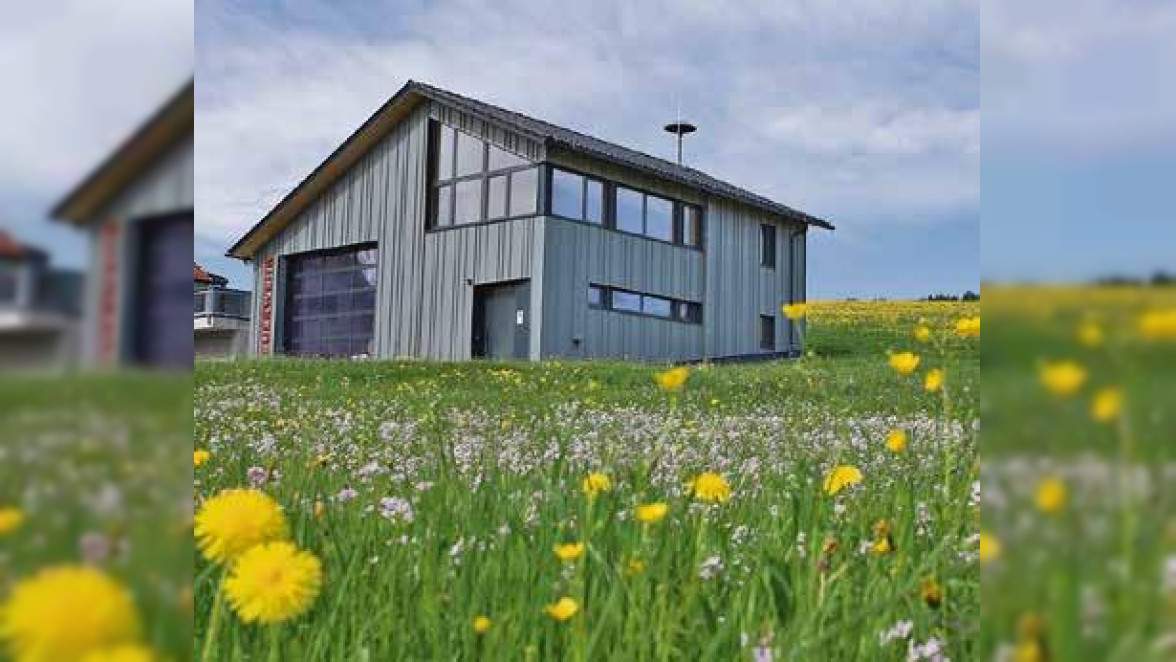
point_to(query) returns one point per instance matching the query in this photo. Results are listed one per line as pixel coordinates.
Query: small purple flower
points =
(95, 548)
(346, 494)
(258, 476)
(395, 508)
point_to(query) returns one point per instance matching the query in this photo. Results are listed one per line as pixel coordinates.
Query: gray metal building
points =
(449, 228)
(137, 208)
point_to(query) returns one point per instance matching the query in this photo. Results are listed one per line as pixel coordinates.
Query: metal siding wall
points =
(576, 255)
(493, 133)
(424, 300)
(165, 187)
(738, 289)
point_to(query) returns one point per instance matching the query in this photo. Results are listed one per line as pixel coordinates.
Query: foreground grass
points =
(435, 493)
(97, 465)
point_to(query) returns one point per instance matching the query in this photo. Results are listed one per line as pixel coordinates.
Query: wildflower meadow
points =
(820, 508)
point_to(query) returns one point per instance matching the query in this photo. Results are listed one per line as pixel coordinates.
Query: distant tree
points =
(1163, 279)
(970, 296)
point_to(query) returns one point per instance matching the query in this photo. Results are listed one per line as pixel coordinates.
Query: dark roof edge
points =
(61, 208)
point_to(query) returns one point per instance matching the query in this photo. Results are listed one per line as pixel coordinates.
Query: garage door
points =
(162, 320)
(330, 305)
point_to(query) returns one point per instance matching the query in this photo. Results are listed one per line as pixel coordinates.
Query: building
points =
(38, 309)
(220, 318)
(137, 208)
(448, 228)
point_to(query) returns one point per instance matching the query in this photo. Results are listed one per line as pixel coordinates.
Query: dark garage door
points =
(330, 306)
(162, 309)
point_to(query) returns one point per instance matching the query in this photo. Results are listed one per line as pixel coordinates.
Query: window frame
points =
(609, 208)
(676, 305)
(768, 246)
(286, 317)
(435, 183)
(767, 344)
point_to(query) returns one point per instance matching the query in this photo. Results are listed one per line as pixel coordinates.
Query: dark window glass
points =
(594, 202)
(444, 206)
(659, 218)
(524, 192)
(657, 306)
(567, 194)
(595, 296)
(497, 198)
(691, 226)
(629, 210)
(768, 245)
(470, 155)
(767, 332)
(629, 301)
(468, 205)
(445, 153)
(337, 314)
(689, 312)
(500, 159)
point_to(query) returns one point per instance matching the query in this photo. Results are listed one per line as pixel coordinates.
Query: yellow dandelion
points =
(934, 380)
(594, 483)
(569, 552)
(124, 653)
(896, 441)
(1051, 495)
(234, 521)
(320, 509)
(1107, 405)
(710, 487)
(65, 612)
(563, 609)
(922, 333)
(673, 379)
(968, 327)
(904, 363)
(1090, 334)
(989, 548)
(273, 582)
(651, 512)
(1063, 378)
(1158, 324)
(794, 311)
(11, 519)
(200, 456)
(931, 592)
(883, 540)
(482, 624)
(636, 567)
(841, 477)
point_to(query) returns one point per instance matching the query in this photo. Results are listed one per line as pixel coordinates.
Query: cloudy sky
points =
(865, 112)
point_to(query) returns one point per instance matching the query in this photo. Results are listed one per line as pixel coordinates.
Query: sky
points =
(863, 112)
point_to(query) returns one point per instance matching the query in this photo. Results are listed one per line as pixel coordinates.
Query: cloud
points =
(78, 78)
(866, 109)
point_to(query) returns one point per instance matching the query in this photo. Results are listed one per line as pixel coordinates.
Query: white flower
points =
(900, 631)
(710, 568)
(395, 508)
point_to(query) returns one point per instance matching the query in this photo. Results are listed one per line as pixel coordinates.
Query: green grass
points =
(491, 458)
(103, 459)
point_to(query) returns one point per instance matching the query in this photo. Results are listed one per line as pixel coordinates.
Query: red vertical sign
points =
(267, 306)
(108, 284)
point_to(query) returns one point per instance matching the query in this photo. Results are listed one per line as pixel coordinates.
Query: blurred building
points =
(220, 316)
(38, 309)
(137, 207)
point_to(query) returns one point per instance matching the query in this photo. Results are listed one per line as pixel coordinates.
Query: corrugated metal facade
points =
(426, 279)
(164, 188)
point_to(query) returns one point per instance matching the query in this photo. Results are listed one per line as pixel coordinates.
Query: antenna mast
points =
(680, 128)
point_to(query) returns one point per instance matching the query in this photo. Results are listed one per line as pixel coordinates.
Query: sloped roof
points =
(12, 248)
(397, 107)
(171, 122)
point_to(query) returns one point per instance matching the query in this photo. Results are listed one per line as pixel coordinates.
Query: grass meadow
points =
(434, 498)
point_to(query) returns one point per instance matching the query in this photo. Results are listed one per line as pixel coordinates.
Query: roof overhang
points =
(172, 122)
(329, 171)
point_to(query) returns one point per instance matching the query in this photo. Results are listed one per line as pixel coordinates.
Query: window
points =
(524, 192)
(567, 194)
(650, 305)
(594, 202)
(473, 181)
(767, 332)
(691, 226)
(626, 301)
(659, 218)
(9, 277)
(595, 296)
(630, 210)
(657, 306)
(768, 246)
(330, 303)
